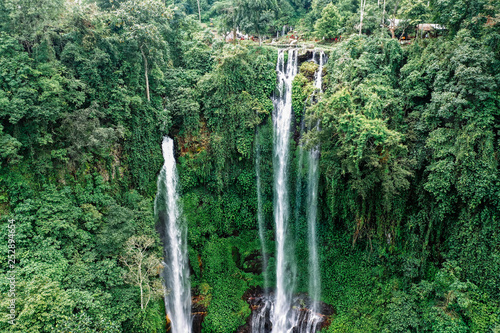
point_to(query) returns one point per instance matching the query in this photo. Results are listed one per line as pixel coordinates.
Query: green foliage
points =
(457, 119)
(328, 24)
(27, 22)
(67, 243)
(82, 323)
(235, 98)
(408, 219)
(361, 150)
(299, 99)
(303, 88)
(460, 14)
(257, 16)
(227, 310)
(431, 110)
(9, 148)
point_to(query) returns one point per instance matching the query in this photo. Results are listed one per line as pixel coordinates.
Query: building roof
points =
(430, 27)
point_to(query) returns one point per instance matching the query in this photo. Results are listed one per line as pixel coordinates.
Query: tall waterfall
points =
(298, 182)
(260, 318)
(312, 213)
(285, 266)
(260, 213)
(284, 312)
(176, 271)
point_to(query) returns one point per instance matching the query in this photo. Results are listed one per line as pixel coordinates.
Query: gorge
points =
(334, 168)
(280, 310)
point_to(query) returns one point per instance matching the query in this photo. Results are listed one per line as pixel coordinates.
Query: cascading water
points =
(260, 214)
(298, 183)
(312, 212)
(318, 81)
(260, 317)
(176, 271)
(282, 311)
(282, 317)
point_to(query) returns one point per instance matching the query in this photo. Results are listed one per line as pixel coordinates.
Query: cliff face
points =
(407, 196)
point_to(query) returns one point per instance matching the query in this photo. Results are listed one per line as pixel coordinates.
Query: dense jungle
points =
(405, 123)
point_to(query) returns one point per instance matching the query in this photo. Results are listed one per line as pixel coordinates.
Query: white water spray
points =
(260, 213)
(282, 317)
(318, 81)
(176, 271)
(312, 213)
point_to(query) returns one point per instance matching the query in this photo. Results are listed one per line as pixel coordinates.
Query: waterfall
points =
(298, 183)
(312, 213)
(261, 316)
(176, 271)
(260, 214)
(285, 265)
(318, 81)
(283, 311)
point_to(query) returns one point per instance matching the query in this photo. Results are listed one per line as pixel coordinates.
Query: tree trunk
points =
(394, 20)
(402, 34)
(199, 10)
(149, 296)
(361, 14)
(234, 35)
(140, 285)
(147, 79)
(383, 14)
(426, 243)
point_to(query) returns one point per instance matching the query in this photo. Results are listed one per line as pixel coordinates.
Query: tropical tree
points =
(329, 23)
(413, 13)
(228, 11)
(256, 16)
(143, 266)
(362, 8)
(146, 23)
(26, 20)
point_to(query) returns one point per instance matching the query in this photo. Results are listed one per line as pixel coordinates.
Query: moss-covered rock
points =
(308, 69)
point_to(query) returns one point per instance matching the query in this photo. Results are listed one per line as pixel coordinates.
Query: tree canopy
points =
(407, 130)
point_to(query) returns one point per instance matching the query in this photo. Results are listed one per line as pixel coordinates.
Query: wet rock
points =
(198, 313)
(305, 319)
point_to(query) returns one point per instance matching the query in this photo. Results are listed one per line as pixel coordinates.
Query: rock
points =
(261, 305)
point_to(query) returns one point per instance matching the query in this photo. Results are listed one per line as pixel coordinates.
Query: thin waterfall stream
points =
(176, 270)
(260, 317)
(299, 181)
(318, 80)
(314, 286)
(312, 214)
(260, 215)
